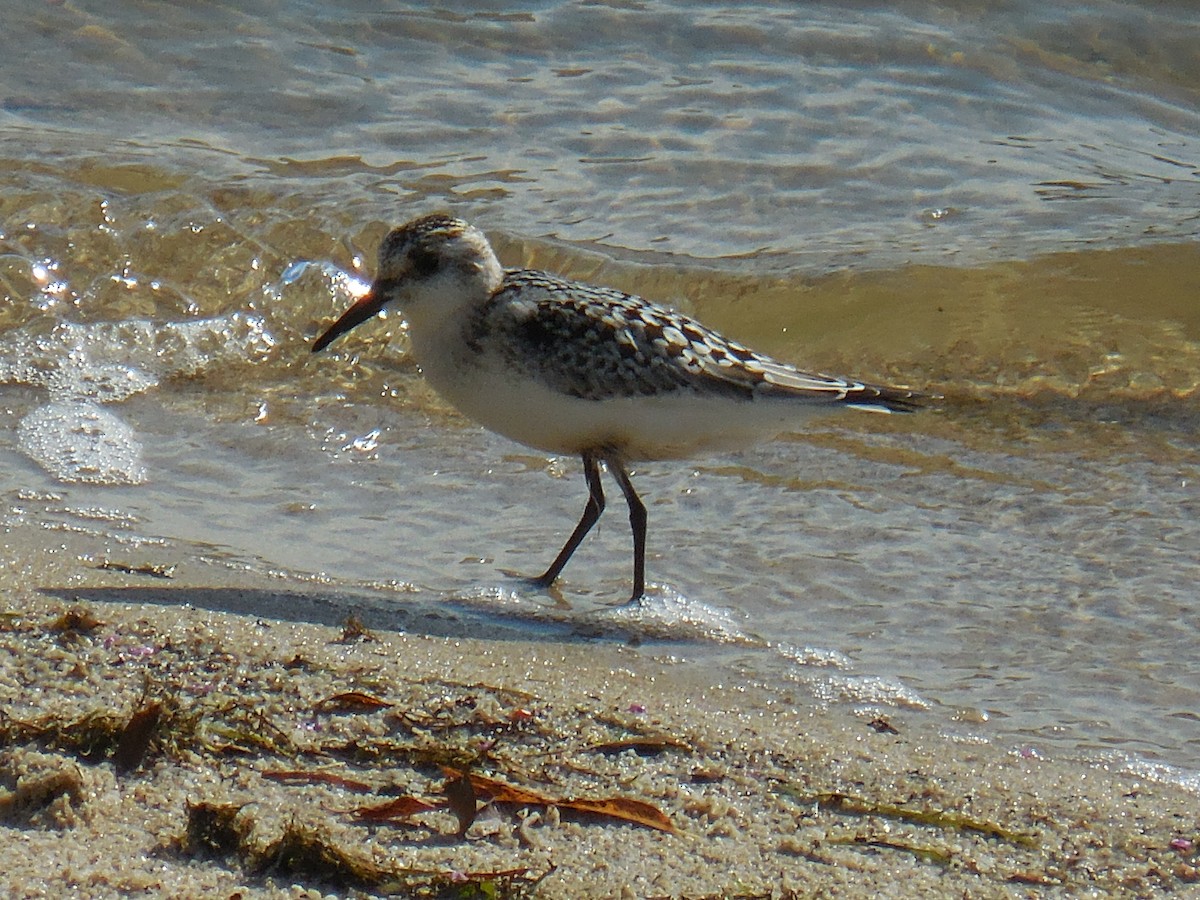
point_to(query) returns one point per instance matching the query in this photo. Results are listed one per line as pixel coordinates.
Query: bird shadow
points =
(488, 613)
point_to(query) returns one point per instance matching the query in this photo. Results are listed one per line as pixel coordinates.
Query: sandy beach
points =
(259, 635)
(170, 747)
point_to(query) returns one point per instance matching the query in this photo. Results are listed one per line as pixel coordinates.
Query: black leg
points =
(637, 522)
(591, 512)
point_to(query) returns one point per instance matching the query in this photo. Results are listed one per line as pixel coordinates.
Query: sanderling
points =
(572, 368)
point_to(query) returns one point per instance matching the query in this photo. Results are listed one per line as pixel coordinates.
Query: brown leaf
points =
(624, 808)
(400, 808)
(500, 791)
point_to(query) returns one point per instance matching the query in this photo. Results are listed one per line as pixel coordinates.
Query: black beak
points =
(364, 308)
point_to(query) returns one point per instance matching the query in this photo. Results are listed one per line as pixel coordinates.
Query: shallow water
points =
(993, 202)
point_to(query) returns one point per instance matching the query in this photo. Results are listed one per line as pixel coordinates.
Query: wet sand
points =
(187, 751)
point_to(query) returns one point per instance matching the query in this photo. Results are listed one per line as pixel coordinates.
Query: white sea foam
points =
(81, 441)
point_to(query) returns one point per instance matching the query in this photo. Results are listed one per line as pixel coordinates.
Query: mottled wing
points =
(772, 378)
(598, 343)
(723, 360)
(581, 340)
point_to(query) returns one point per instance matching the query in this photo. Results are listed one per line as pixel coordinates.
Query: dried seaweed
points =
(302, 852)
(641, 746)
(882, 726)
(214, 829)
(150, 569)
(34, 793)
(354, 629)
(240, 730)
(936, 818)
(305, 853)
(74, 624)
(352, 702)
(91, 737)
(303, 776)
(399, 808)
(462, 799)
(134, 739)
(924, 853)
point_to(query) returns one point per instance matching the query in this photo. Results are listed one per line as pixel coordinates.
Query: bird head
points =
(428, 265)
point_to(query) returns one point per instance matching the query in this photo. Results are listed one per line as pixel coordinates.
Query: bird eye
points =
(423, 263)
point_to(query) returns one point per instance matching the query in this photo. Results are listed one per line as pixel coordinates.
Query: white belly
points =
(639, 428)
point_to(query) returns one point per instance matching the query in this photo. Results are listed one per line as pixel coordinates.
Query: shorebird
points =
(572, 368)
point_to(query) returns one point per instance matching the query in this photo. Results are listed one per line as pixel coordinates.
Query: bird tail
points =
(880, 398)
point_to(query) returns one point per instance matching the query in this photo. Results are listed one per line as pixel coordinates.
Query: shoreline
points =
(295, 729)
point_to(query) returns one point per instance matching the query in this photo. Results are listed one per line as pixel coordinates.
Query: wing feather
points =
(598, 343)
